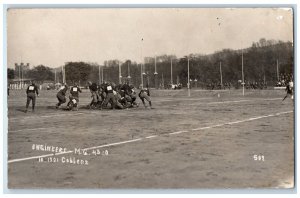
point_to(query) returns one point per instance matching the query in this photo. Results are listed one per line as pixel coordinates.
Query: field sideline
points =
(202, 141)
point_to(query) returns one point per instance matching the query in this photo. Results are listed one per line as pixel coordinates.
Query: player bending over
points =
(131, 96)
(145, 94)
(74, 97)
(61, 95)
(94, 91)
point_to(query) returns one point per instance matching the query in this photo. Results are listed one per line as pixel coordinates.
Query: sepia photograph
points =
(150, 98)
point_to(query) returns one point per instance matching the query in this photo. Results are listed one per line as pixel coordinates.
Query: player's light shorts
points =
(94, 96)
(74, 97)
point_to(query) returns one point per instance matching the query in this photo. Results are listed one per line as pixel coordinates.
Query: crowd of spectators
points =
(284, 79)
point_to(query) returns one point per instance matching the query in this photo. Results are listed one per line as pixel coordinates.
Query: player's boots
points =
(145, 105)
(95, 105)
(150, 105)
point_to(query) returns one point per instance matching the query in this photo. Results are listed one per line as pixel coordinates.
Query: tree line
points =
(260, 64)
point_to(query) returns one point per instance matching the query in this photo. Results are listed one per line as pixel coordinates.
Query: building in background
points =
(21, 79)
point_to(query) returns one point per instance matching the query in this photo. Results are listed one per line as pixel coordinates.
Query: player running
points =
(32, 89)
(61, 95)
(289, 90)
(145, 94)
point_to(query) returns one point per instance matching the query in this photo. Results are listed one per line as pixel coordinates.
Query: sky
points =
(54, 36)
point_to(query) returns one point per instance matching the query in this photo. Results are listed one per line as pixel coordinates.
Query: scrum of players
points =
(104, 96)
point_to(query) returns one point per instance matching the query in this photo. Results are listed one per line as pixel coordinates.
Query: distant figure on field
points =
(289, 90)
(31, 91)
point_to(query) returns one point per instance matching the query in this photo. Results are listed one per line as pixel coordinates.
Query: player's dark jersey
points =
(289, 89)
(93, 87)
(108, 88)
(32, 89)
(126, 88)
(122, 93)
(63, 90)
(144, 91)
(75, 91)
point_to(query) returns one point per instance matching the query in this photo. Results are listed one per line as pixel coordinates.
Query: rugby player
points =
(126, 88)
(101, 94)
(74, 95)
(128, 94)
(94, 91)
(289, 90)
(31, 90)
(145, 94)
(110, 97)
(132, 95)
(61, 95)
(118, 100)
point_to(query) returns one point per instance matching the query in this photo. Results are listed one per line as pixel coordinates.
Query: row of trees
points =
(39, 73)
(260, 64)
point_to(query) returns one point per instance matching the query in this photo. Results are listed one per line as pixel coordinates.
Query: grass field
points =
(201, 141)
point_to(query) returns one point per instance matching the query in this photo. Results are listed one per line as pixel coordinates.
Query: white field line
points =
(153, 136)
(177, 132)
(181, 99)
(45, 116)
(40, 156)
(113, 144)
(99, 112)
(236, 101)
(34, 129)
